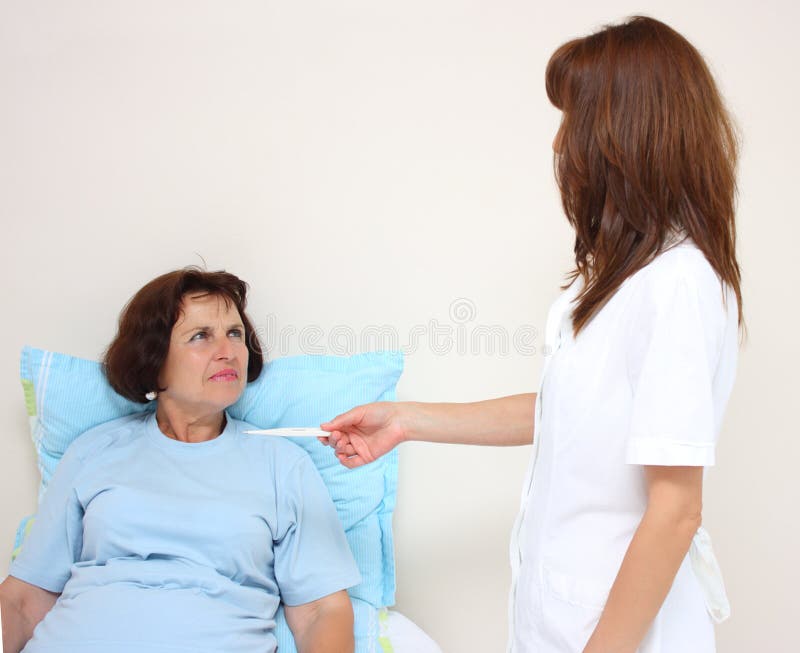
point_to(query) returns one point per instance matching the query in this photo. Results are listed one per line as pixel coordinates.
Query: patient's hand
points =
(366, 432)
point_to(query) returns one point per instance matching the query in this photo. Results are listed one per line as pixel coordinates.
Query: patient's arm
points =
(23, 606)
(369, 431)
(324, 625)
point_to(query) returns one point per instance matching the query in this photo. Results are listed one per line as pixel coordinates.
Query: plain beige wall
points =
(376, 163)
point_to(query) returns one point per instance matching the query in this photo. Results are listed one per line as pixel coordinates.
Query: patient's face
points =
(206, 366)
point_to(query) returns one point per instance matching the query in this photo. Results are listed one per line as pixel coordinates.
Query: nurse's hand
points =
(366, 432)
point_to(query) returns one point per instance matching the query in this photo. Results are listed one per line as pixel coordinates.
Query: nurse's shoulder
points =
(680, 301)
(680, 268)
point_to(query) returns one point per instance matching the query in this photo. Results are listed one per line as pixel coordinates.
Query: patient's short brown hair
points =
(135, 357)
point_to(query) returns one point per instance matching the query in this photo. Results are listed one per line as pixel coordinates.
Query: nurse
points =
(608, 552)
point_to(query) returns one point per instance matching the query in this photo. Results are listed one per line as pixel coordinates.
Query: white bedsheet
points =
(404, 636)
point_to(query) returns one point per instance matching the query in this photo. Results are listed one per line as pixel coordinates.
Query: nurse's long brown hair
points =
(646, 146)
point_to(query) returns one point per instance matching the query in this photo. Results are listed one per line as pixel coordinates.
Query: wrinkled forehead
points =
(206, 309)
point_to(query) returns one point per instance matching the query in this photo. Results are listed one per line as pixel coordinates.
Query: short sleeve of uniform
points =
(675, 343)
(55, 540)
(312, 556)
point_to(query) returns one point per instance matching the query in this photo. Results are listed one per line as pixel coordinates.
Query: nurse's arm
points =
(324, 625)
(367, 432)
(23, 606)
(505, 421)
(673, 515)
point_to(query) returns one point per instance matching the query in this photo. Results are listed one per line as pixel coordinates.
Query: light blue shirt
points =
(164, 546)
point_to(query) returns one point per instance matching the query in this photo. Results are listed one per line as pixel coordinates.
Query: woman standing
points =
(608, 553)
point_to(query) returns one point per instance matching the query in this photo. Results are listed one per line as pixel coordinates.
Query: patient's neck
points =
(187, 425)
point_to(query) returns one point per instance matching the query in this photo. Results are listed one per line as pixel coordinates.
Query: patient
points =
(173, 531)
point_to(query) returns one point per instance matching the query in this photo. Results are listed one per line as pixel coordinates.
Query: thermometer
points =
(292, 432)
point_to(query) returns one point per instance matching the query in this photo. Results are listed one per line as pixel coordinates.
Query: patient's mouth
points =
(225, 375)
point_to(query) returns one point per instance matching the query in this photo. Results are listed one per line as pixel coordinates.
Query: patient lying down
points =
(173, 531)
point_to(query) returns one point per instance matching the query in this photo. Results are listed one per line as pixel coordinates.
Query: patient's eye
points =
(236, 333)
(198, 336)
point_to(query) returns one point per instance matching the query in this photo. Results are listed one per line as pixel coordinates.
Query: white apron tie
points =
(709, 575)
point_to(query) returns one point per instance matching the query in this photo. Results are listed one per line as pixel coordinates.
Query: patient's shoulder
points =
(277, 448)
(100, 437)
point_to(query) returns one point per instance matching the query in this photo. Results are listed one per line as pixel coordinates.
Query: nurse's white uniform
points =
(646, 383)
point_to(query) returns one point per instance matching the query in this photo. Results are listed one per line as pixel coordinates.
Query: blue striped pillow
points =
(66, 396)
